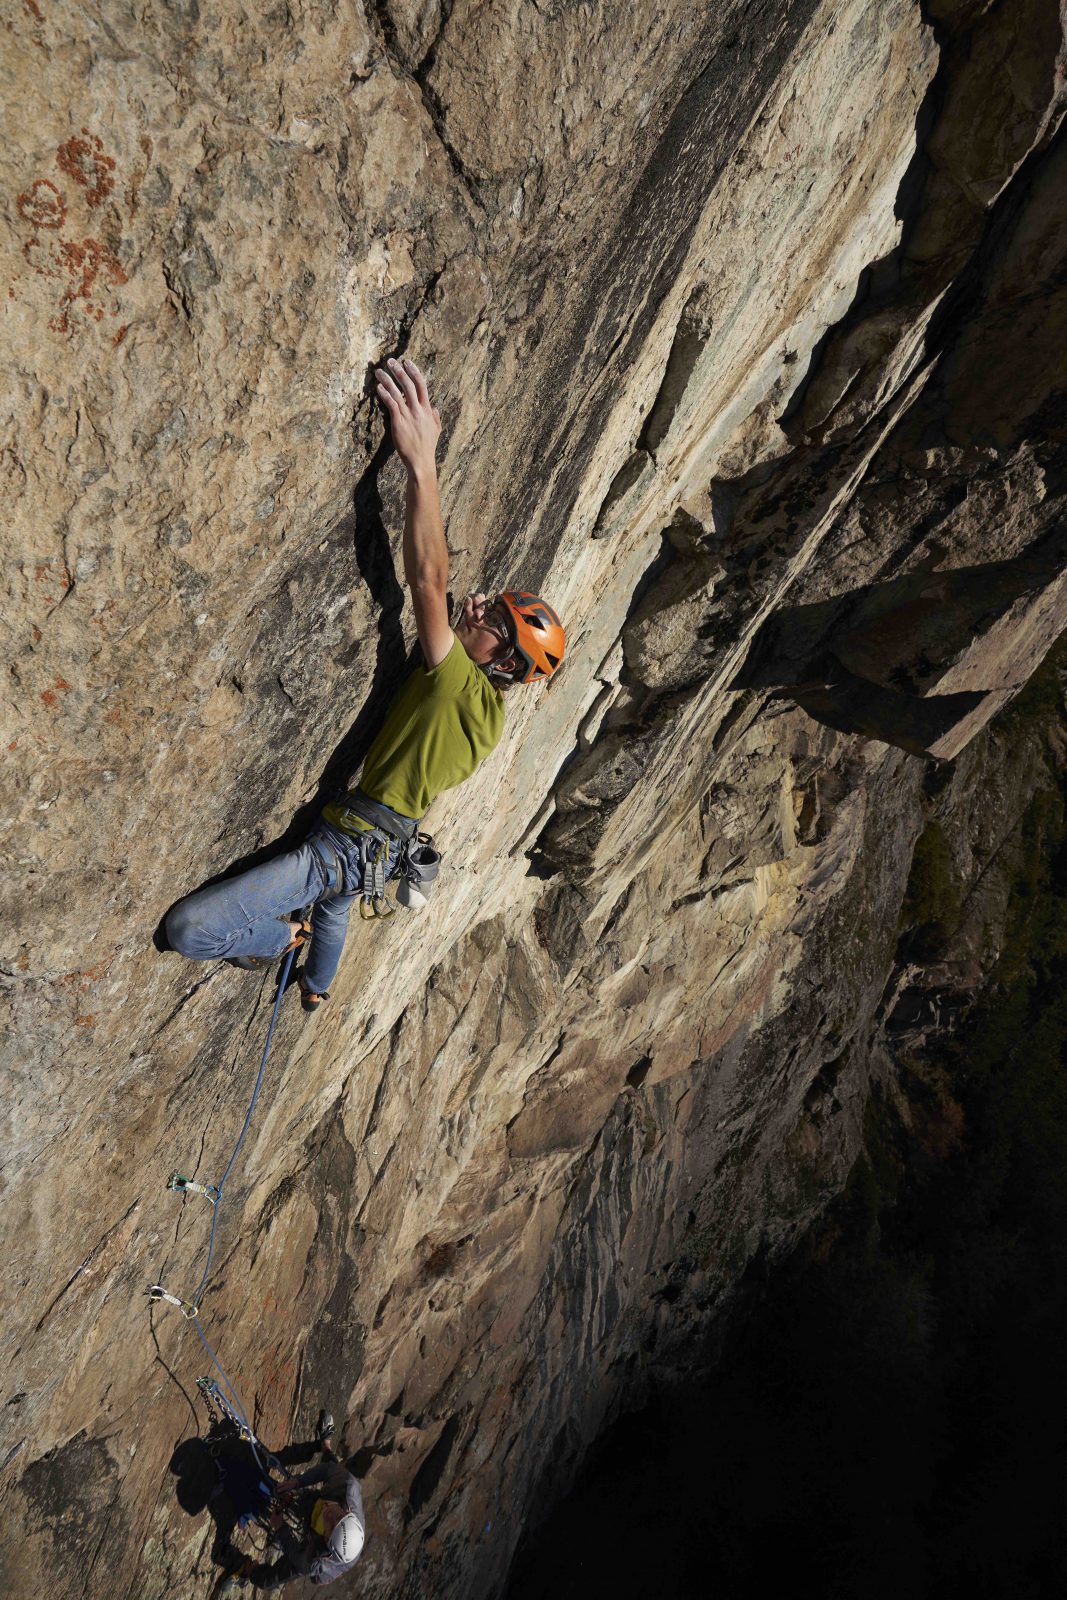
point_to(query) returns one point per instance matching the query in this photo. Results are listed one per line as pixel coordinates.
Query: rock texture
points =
(747, 325)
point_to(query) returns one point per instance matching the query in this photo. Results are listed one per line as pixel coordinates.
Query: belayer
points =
(446, 718)
(322, 1530)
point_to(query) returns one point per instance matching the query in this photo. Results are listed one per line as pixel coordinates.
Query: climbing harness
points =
(386, 826)
(213, 1192)
(358, 804)
(417, 862)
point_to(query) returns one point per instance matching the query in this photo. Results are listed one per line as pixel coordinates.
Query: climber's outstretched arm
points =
(416, 425)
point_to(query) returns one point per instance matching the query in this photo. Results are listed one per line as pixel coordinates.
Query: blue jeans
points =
(249, 915)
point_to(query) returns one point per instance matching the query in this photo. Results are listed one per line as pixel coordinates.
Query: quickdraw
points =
(374, 859)
(187, 1307)
(183, 1185)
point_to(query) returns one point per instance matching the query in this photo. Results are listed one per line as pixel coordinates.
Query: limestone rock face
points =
(747, 324)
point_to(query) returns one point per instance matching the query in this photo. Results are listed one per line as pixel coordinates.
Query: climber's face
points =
(483, 631)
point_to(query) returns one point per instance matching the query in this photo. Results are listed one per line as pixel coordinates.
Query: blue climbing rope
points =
(217, 1202)
(190, 1309)
(259, 1450)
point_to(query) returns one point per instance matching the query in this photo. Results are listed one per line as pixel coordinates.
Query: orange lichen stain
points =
(85, 979)
(45, 572)
(121, 334)
(34, 10)
(36, 632)
(50, 697)
(85, 160)
(42, 257)
(84, 263)
(114, 716)
(42, 205)
(89, 258)
(13, 745)
(87, 1020)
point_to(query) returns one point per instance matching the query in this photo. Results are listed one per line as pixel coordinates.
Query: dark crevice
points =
(639, 1072)
(432, 1470)
(689, 344)
(438, 112)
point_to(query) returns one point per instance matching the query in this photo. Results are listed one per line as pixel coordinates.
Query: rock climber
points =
(446, 718)
(327, 1508)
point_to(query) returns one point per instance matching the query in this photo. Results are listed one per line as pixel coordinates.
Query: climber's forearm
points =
(425, 550)
(416, 426)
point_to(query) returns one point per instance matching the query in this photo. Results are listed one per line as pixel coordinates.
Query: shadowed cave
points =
(878, 1417)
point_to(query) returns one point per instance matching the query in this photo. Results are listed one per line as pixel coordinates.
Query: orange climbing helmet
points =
(535, 634)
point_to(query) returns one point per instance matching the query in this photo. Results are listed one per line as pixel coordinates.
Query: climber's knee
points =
(187, 935)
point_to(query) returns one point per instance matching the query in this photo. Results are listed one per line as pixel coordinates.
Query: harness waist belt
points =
(379, 816)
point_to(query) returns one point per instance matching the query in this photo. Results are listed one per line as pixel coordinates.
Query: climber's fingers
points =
(400, 376)
(387, 389)
(418, 380)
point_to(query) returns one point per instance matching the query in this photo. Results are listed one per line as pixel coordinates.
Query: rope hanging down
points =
(213, 1192)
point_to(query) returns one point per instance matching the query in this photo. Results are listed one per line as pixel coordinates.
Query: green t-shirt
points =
(441, 724)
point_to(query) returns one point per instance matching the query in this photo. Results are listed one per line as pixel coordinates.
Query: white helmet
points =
(346, 1540)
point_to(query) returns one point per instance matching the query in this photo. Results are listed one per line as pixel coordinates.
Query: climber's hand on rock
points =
(416, 424)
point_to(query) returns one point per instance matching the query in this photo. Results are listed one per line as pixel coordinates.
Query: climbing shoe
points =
(235, 1581)
(324, 1426)
(310, 999)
